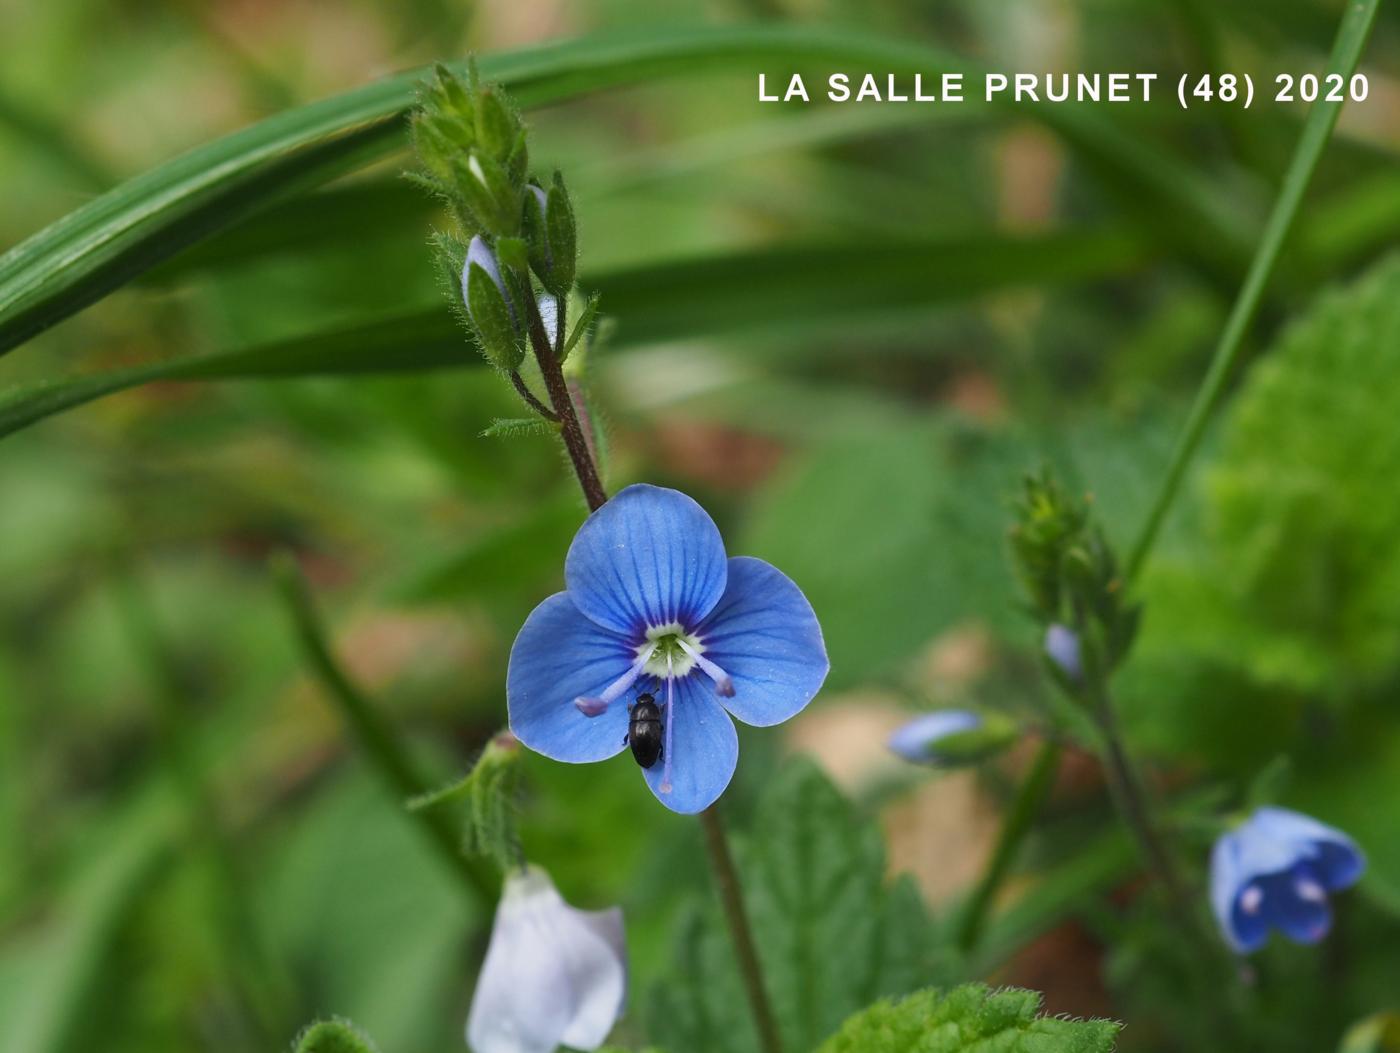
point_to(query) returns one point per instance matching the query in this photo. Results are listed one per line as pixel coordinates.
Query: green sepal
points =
(489, 791)
(1269, 784)
(532, 225)
(435, 150)
(491, 318)
(497, 127)
(450, 256)
(581, 324)
(334, 1036)
(512, 253)
(518, 162)
(562, 236)
(516, 427)
(994, 735)
(488, 193)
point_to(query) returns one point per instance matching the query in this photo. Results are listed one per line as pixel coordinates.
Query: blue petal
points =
(765, 636)
(648, 557)
(560, 655)
(1301, 918)
(1228, 879)
(704, 748)
(917, 741)
(1337, 860)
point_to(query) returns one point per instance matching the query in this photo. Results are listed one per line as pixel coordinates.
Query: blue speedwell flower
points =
(1274, 871)
(654, 607)
(553, 975)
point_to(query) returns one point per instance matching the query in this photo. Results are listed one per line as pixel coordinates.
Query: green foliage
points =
(491, 318)
(968, 1019)
(932, 524)
(831, 934)
(491, 791)
(334, 1036)
(1069, 571)
(142, 222)
(1303, 508)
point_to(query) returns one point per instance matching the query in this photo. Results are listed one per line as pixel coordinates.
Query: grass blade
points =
(137, 225)
(1317, 129)
(716, 296)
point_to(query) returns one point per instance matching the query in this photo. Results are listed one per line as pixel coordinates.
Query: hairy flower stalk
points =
(652, 601)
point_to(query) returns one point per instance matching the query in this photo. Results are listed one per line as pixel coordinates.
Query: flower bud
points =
(553, 975)
(488, 193)
(953, 737)
(497, 128)
(489, 307)
(548, 223)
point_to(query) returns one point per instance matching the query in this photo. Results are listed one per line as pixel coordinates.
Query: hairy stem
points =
(518, 382)
(553, 372)
(376, 738)
(1322, 118)
(731, 895)
(716, 841)
(1014, 828)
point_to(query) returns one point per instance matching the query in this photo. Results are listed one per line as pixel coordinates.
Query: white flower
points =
(553, 975)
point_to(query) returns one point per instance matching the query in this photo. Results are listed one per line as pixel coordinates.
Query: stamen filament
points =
(596, 707)
(724, 684)
(670, 723)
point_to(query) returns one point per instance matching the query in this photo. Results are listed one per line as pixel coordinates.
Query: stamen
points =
(596, 707)
(1308, 889)
(1251, 899)
(724, 685)
(670, 723)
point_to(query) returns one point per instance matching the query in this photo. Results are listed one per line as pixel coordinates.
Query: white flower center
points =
(669, 651)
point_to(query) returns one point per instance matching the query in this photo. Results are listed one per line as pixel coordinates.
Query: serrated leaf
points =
(832, 935)
(968, 1019)
(334, 1036)
(1302, 584)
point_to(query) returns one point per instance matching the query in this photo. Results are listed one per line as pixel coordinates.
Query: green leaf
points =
(517, 427)
(334, 1036)
(490, 790)
(784, 288)
(146, 220)
(1302, 586)
(968, 1019)
(807, 287)
(409, 343)
(936, 555)
(48, 977)
(491, 318)
(831, 934)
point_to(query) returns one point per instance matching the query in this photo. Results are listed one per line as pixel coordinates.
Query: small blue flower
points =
(1062, 646)
(918, 740)
(653, 605)
(1275, 870)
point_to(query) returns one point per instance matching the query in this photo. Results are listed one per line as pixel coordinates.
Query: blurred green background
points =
(847, 330)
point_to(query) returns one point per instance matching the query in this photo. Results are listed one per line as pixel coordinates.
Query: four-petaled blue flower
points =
(1274, 871)
(652, 605)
